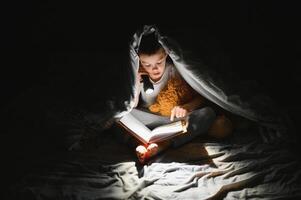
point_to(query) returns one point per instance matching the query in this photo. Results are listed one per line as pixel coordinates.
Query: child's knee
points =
(209, 112)
(206, 113)
(221, 127)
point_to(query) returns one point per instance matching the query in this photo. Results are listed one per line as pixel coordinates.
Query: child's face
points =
(154, 64)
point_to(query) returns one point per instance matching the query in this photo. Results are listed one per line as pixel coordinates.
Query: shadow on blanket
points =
(243, 166)
(251, 164)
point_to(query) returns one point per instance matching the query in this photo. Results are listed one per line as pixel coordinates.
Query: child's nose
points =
(155, 67)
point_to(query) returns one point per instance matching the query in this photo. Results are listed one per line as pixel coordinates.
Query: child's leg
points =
(150, 120)
(146, 152)
(199, 121)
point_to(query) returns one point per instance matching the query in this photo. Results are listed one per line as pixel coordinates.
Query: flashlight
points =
(147, 85)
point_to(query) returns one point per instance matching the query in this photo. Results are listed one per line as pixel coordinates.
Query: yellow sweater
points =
(177, 92)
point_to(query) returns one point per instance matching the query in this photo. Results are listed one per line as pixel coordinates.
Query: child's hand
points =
(178, 112)
(141, 72)
(140, 75)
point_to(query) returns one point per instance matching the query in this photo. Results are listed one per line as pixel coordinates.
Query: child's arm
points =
(183, 110)
(195, 103)
(141, 71)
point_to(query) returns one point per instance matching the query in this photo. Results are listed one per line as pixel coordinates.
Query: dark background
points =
(71, 50)
(253, 36)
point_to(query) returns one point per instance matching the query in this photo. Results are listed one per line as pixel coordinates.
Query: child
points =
(155, 63)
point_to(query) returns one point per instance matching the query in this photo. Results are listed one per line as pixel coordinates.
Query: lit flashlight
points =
(147, 85)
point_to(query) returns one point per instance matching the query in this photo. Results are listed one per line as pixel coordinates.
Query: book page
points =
(136, 127)
(165, 131)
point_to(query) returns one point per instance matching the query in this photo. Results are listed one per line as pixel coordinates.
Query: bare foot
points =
(141, 153)
(145, 153)
(152, 149)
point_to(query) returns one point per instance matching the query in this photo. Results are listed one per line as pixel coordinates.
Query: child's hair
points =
(149, 44)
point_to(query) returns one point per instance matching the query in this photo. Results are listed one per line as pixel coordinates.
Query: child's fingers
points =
(142, 73)
(180, 112)
(172, 115)
(177, 112)
(183, 112)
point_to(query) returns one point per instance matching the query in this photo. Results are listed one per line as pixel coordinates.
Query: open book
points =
(145, 135)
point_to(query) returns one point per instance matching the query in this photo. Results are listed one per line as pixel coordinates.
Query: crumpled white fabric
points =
(233, 97)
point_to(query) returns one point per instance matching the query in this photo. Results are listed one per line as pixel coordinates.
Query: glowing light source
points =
(147, 85)
(149, 91)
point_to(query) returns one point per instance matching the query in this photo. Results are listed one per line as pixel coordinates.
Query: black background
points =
(252, 35)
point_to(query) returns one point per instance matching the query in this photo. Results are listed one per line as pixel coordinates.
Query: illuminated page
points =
(135, 127)
(166, 131)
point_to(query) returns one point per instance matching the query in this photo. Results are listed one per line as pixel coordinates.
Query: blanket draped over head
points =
(234, 97)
